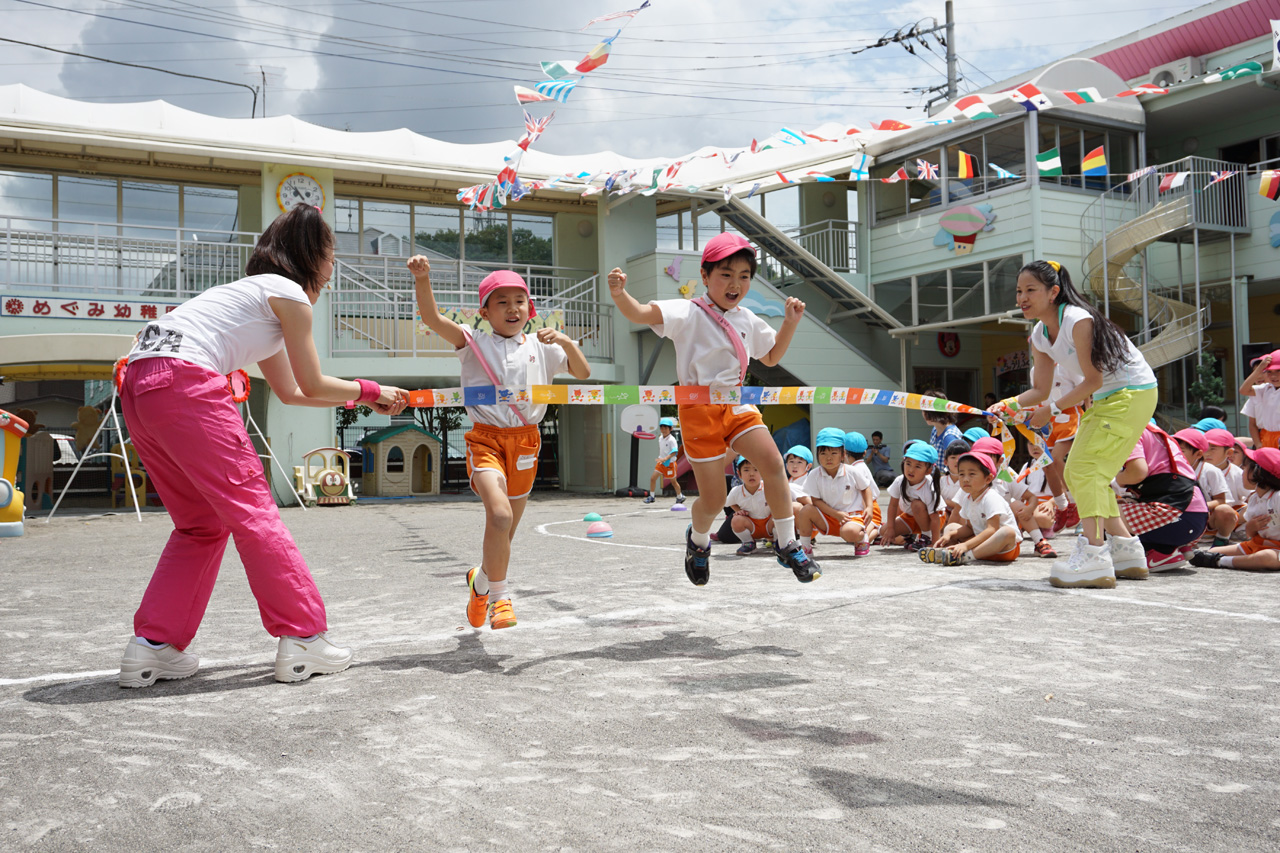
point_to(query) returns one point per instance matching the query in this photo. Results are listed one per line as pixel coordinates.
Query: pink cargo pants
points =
(196, 452)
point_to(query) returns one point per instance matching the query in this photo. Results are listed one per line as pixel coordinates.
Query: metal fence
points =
(832, 241)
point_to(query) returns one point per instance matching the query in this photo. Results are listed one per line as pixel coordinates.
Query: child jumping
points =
(503, 444)
(664, 468)
(714, 338)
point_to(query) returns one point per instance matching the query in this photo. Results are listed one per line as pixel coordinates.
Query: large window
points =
(1075, 141)
(28, 198)
(956, 293)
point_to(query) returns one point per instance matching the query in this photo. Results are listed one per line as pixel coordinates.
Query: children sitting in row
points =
(1262, 519)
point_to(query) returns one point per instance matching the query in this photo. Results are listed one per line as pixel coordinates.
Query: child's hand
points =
(549, 335)
(419, 266)
(617, 281)
(957, 551)
(794, 310)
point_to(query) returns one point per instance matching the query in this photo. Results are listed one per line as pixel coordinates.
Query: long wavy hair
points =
(1110, 350)
(295, 246)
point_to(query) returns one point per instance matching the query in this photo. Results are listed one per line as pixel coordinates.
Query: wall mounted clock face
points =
(299, 188)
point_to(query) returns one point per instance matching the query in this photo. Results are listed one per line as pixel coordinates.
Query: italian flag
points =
(1049, 164)
(1084, 96)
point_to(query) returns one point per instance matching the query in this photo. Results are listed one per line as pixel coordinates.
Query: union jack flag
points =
(926, 171)
(1218, 177)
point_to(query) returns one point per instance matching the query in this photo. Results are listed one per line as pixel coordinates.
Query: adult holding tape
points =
(1097, 356)
(190, 437)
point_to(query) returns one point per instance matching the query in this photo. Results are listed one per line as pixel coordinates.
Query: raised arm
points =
(645, 315)
(436, 322)
(1254, 378)
(578, 366)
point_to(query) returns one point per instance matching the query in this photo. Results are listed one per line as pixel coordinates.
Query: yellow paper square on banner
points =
(788, 394)
(558, 394)
(913, 401)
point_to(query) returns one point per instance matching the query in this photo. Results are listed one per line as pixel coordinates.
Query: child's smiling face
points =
(507, 310)
(728, 282)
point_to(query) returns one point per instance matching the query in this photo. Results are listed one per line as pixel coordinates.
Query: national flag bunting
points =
(559, 69)
(556, 89)
(1172, 181)
(783, 178)
(613, 16)
(1095, 162)
(1004, 174)
(1031, 98)
(528, 96)
(900, 175)
(1244, 69)
(974, 108)
(1141, 173)
(967, 166)
(926, 171)
(890, 124)
(1143, 89)
(1049, 164)
(1270, 185)
(598, 56)
(1217, 178)
(533, 128)
(819, 176)
(1084, 96)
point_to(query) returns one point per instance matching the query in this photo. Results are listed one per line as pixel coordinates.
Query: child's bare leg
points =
(853, 532)
(744, 528)
(675, 483)
(758, 448)
(1044, 516)
(808, 521)
(1223, 521)
(1267, 558)
(653, 482)
(711, 494)
(920, 513)
(899, 530)
(499, 522)
(1004, 539)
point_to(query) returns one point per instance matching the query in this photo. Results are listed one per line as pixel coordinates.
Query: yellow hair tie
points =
(1057, 267)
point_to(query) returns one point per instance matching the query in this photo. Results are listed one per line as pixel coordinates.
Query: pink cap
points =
(1266, 457)
(1220, 438)
(1271, 359)
(723, 245)
(982, 459)
(1196, 438)
(504, 278)
(989, 445)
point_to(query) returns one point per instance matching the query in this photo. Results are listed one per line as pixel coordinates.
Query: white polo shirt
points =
(1265, 506)
(519, 360)
(1212, 481)
(704, 354)
(1235, 482)
(906, 493)
(841, 492)
(753, 502)
(1263, 407)
(988, 505)
(667, 445)
(950, 489)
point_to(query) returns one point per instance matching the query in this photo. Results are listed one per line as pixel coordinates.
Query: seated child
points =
(866, 491)
(751, 519)
(799, 462)
(837, 494)
(1147, 473)
(664, 467)
(1034, 507)
(989, 531)
(915, 498)
(949, 482)
(1262, 387)
(1262, 519)
(1018, 495)
(1223, 518)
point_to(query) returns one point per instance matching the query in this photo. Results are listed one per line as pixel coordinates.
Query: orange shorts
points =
(1269, 438)
(511, 451)
(759, 526)
(668, 472)
(910, 521)
(710, 430)
(1066, 430)
(833, 526)
(1257, 543)
(1006, 556)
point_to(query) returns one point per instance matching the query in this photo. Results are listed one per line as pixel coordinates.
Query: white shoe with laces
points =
(143, 664)
(298, 659)
(1089, 567)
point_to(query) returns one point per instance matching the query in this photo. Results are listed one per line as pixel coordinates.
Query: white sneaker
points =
(298, 660)
(1128, 557)
(143, 665)
(1089, 566)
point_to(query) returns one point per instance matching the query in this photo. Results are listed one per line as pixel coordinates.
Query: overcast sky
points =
(682, 74)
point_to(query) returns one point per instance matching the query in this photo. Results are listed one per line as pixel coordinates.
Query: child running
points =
(714, 339)
(751, 519)
(914, 500)
(664, 468)
(1262, 519)
(503, 443)
(1262, 387)
(989, 531)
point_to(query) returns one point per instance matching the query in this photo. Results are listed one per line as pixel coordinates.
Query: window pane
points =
(931, 290)
(346, 226)
(890, 199)
(154, 205)
(531, 239)
(27, 194)
(924, 192)
(962, 186)
(210, 209)
(486, 235)
(1006, 148)
(386, 229)
(1003, 282)
(1120, 163)
(966, 292)
(669, 230)
(437, 231)
(1070, 151)
(85, 201)
(895, 297)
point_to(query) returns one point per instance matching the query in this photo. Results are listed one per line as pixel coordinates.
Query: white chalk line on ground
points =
(542, 528)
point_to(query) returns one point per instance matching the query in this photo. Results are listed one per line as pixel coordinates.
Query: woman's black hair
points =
(1110, 350)
(295, 246)
(1261, 477)
(743, 254)
(935, 471)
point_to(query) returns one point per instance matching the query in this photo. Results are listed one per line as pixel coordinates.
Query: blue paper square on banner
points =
(884, 398)
(480, 395)
(751, 394)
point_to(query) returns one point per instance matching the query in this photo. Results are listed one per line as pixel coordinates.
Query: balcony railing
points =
(832, 241)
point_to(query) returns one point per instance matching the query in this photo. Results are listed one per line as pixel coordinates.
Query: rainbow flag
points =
(967, 166)
(1270, 186)
(1095, 162)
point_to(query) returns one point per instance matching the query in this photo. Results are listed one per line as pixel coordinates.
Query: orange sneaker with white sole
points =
(477, 605)
(501, 615)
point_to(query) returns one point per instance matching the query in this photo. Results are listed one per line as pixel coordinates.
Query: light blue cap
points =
(855, 442)
(737, 463)
(801, 451)
(671, 422)
(1206, 424)
(922, 451)
(829, 437)
(972, 434)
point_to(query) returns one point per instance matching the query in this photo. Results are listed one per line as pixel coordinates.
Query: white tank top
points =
(1134, 373)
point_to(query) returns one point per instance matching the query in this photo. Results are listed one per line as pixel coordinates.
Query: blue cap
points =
(829, 437)
(1206, 424)
(801, 451)
(671, 422)
(737, 463)
(855, 442)
(972, 434)
(922, 451)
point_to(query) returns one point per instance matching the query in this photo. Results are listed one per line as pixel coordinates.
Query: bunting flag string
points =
(1269, 186)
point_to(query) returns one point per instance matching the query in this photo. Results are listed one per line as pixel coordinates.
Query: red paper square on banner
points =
(686, 394)
(421, 399)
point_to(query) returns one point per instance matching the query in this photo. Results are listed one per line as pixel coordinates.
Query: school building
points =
(112, 213)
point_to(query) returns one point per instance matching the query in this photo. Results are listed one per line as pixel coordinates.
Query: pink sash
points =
(488, 371)
(734, 337)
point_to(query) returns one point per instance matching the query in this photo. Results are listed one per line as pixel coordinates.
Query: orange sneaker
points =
(501, 614)
(477, 605)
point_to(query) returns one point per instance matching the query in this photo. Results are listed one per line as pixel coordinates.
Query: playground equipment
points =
(12, 430)
(324, 478)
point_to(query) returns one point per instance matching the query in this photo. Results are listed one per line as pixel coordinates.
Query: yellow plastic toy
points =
(12, 431)
(324, 477)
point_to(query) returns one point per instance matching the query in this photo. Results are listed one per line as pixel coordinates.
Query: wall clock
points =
(299, 188)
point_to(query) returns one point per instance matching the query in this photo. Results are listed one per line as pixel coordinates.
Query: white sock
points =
(481, 582)
(746, 536)
(498, 590)
(1036, 535)
(1060, 501)
(700, 540)
(1227, 562)
(784, 531)
(1067, 494)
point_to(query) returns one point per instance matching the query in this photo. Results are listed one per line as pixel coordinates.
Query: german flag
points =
(1270, 186)
(968, 166)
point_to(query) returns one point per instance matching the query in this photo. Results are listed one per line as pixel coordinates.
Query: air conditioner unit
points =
(1178, 71)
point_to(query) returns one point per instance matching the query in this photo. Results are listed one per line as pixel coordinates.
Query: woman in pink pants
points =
(188, 432)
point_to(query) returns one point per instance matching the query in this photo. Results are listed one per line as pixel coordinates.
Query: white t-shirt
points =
(1062, 385)
(988, 505)
(1235, 482)
(1268, 505)
(1263, 407)
(797, 489)
(950, 489)
(225, 328)
(863, 479)
(1035, 481)
(841, 492)
(667, 445)
(906, 493)
(704, 354)
(518, 360)
(1136, 373)
(1212, 481)
(755, 504)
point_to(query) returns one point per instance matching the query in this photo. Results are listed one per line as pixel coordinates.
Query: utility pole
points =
(952, 71)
